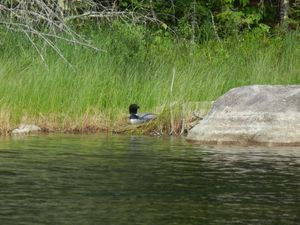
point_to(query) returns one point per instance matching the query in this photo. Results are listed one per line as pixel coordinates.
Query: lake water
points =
(98, 179)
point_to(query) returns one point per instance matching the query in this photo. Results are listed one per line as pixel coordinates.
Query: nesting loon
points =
(134, 118)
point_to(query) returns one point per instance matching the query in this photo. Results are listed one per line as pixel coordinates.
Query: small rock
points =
(26, 128)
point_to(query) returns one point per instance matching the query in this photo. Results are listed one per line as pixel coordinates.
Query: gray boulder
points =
(259, 114)
(25, 129)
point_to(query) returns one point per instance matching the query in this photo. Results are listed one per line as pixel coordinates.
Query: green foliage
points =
(194, 20)
(137, 68)
(294, 20)
(244, 17)
(212, 45)
(200, 20)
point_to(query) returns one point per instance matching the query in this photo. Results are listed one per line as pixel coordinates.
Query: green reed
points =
(136, 67)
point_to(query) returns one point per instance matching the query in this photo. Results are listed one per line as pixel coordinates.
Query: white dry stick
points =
(214, 25)
(171, 97)
(36, 48)
(152, 10)
(26, 19)
(183, 126)
(194, 22)
(284, 10)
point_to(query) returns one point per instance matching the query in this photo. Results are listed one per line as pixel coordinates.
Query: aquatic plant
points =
(158, 73)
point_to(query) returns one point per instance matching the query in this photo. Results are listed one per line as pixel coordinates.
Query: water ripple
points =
(141, 180)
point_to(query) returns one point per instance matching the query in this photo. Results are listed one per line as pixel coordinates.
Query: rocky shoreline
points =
(258, 115)
(253, 115)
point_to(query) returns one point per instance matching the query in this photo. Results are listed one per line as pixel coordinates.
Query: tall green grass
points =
(135, 67)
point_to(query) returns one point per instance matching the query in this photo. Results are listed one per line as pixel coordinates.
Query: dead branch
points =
(49, 21)
(44, 21)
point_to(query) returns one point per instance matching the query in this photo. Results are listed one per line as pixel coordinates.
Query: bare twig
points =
(171, 110)
(214, 25)
(45, 20)
(95, 15)
(49, 20)
(183, 125)
(35, 46)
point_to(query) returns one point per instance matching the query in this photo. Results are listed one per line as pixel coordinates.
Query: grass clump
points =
(94, 93)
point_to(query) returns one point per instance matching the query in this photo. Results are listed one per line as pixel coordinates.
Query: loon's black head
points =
(133, 108)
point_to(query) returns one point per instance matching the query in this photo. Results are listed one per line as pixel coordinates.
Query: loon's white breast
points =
(136, 121)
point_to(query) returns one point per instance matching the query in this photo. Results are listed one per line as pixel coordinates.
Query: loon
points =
(134, 118)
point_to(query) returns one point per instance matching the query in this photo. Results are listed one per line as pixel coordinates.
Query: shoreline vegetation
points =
(70, 67)
(94, 94)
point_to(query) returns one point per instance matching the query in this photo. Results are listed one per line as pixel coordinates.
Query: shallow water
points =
(93, 179)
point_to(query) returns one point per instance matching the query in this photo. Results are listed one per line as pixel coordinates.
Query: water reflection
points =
(142, 180)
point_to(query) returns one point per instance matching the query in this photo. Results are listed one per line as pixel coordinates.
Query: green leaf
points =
(165, 26)
(244, 2)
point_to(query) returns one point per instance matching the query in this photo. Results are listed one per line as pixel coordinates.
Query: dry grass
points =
(184, 116)
(5, 122)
